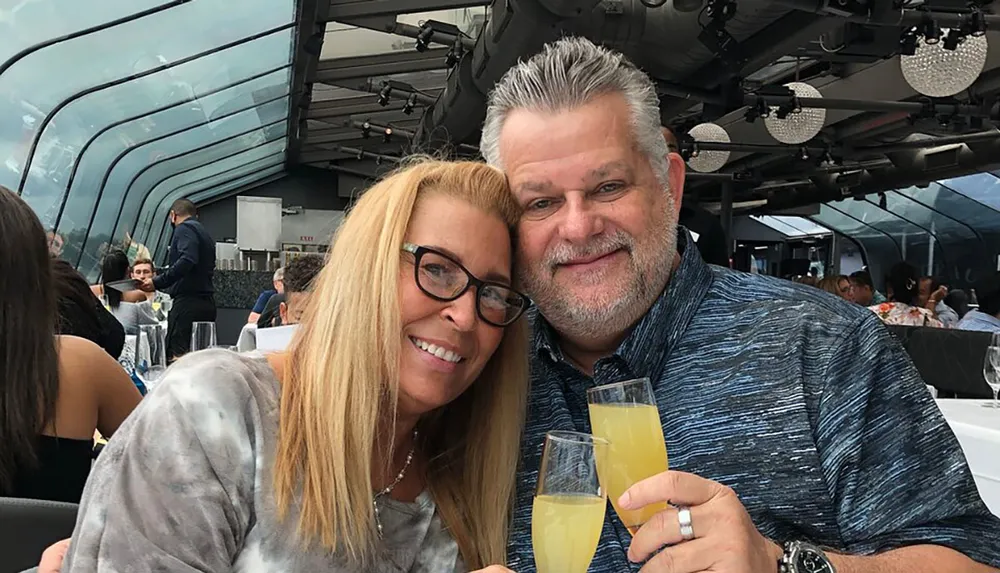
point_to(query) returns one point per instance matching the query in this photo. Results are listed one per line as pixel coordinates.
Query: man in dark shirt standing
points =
(189, 278)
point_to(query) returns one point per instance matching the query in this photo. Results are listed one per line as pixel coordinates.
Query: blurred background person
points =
(278, 281)
(932, 295)
(904, 297)
(188, 280)
(54, 390)
(299, 277)
(81, 313)
(987, 317)
(130, 308)
(839, 285)
(864, 290)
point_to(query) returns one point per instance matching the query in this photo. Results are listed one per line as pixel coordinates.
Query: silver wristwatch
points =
(802, 557)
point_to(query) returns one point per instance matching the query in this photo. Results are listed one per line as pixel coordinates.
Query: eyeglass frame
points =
(419, 251)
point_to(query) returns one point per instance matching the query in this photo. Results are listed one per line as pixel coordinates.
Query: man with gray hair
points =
(801, 436)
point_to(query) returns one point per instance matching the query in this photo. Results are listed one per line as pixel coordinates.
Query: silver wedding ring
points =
(684, 518)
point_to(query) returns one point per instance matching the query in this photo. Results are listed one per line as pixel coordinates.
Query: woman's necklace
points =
(388, 489)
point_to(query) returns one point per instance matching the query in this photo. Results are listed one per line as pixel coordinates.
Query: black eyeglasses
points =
(444, 279)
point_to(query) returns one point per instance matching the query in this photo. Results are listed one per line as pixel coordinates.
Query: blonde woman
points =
(386, 439)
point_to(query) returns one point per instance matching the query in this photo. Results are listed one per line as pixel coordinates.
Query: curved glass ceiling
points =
(109, 109)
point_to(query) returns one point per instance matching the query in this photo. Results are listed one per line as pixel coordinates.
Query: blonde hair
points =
(342, 378)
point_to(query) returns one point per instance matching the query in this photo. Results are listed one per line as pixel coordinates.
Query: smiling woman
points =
(386, 439)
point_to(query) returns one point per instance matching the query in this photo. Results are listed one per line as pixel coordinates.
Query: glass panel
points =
(176, 89)
(804, 226)
(86, 189)
(983, 187)
(46, 80)
(962, 247)
(220, 165)
(21, 25)
(343, 40)
(919, 248)
(881, 252)
(982, 220)
(135, 171)
(220, 184)
(778, 225)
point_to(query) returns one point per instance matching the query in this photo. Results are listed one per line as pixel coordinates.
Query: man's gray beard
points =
(606, 318)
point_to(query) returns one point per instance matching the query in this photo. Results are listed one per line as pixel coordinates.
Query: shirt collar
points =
(662, 325)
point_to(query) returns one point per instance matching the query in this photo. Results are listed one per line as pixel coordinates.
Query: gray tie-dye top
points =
(186, 485)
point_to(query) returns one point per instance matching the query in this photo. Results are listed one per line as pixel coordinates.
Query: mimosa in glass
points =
(568, 512)
(625, 414)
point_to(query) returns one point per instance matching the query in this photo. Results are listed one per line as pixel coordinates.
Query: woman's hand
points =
(52, 558)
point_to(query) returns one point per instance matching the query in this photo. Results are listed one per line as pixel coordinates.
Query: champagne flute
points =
(151, 354)
(991, 368)
(625, 414)
(202, 336)
(568, 511)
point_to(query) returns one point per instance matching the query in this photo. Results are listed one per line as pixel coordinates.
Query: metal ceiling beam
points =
(353, 106)
(340, 10)
(355, 67)
(310, 32)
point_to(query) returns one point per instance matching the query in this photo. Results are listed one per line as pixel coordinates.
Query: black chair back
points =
(948, 359)
(29, 526)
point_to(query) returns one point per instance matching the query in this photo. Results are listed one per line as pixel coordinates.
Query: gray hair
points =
(567, 74)
(279, 275)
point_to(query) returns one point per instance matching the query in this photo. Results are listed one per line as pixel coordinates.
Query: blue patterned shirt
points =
(800, 402)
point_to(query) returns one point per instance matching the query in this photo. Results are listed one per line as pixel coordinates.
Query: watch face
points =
(810, 561)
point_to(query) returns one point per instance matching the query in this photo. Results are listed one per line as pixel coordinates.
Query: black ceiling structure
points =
(724, 62)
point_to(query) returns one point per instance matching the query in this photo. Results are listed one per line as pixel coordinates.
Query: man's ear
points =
(678, 171)
(283, 313)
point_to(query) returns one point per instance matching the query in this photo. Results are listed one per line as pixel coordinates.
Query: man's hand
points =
(52, 558)
(147, 285)
(725, 539)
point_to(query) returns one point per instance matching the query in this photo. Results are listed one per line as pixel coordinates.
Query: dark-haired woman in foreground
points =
(54, 390)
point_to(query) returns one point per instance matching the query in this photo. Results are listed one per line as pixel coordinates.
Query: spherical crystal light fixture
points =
(936, 71)
(799, 126)
(708, 161)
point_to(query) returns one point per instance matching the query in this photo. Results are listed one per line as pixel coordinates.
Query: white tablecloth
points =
(977, 426)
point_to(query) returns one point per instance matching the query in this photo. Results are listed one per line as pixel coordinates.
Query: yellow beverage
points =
(565, 530)
(156, 307)
(637, 451)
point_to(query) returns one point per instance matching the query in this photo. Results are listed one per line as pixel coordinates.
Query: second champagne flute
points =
(625, 415)
(568, 512)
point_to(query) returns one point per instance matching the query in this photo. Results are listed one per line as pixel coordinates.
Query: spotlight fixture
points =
(383, 95)
(361, 154)
(424, 38)
(976, 23)
(366, 130)
(455, 53)
(721, 10)
(387, 135)
(411, 102)
(804, 154)
(378, 160)
(932, 32)
(883, 202)
(952, 39)
(908, 42)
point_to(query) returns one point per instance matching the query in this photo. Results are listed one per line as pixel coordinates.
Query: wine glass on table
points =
(991, 367)
(567, 515)
(625, 414)
(202, 336)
